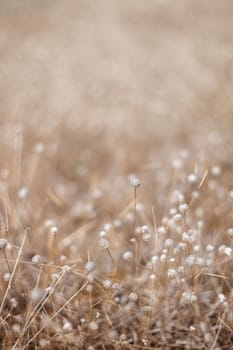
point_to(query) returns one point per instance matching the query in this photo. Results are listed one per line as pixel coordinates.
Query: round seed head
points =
(3, 243)
(145, 229)
(228, 251)
(230, 231)
(103, 243)
(102, 233)
(38, 147)
(6, 276)
(168, 243)
(133, 296)
(93, 326)
(36, 259)
(183, 208)
(90, 266)
(177, 163)
(89, 288)
(178, 217)
(192, 178)
(107, 284)
(171, 273)
(54, 230)
(195, 194)
(209, 248)
(216, 170)
(67, 326)
(128, 255)
(161, 230)
(23, 192)
(134, 181)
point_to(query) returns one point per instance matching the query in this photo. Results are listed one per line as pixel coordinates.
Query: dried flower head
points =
(134, 181)
(127, 256)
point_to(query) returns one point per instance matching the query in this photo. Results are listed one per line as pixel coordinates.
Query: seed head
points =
(107, 284)
(6, 276)
(168, 243)
(192, 178)
(216, 170)
(146, 231)
(171, 273)
(93, 326)
(128, 255)
(183, 208)
(134, 181)
(90, 266)
(67, 326)
(23, 192)
(38, 147)
(54, 230)
(178, 217)
(36, 259)
(133, 296)
(3, 243)
(230, 231)
(103, 243)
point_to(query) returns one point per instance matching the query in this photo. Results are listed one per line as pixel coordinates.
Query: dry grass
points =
(91, 94)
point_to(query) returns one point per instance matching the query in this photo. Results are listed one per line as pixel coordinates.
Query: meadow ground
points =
(116, 185)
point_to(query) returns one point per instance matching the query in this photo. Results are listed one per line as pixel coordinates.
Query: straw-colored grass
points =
(116, 185)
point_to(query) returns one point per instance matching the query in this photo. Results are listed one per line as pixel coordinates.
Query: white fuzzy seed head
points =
(221, 297)
(168, 243)
(152, 277)
(16, 328)
(230, 232)
(177, 163)
(216, 170)
(209, 248)
(161, 230)
(38, 147)
(163, 258)
(228, 251)
(93, 326)
(89, 288)
(192, 178)
(36, 259)
(54, 230)
(23, 192)
(183, 208)
(221, 249)
(103, 243)
(127, 256)
(107, 284)
(3, 243)
(134, 181)
(195, 194)
(107, 227)
(102, 233)
(7, 276)
(133, 296)
(172, 211)
(177, 217)
(171, 273)
(90, 266)
(67, 326)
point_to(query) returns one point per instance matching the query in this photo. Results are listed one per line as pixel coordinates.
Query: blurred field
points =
(117, 61)
(90, 92)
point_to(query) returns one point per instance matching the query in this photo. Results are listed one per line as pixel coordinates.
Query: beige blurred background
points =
(157, 68)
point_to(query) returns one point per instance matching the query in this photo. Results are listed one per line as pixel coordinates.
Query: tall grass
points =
(90, 260)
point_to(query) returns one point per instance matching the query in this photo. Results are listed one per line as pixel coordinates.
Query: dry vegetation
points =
(116, 186)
